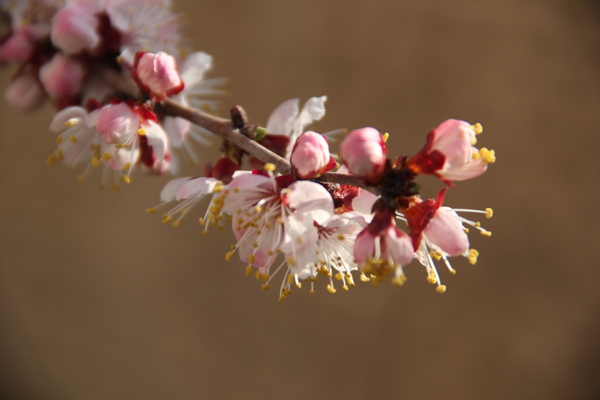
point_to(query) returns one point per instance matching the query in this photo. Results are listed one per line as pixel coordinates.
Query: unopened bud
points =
(364, 153)
(157, 74)
(310, 156)
(62, 76)
(17, 48)
(24, 92)
(75, 28)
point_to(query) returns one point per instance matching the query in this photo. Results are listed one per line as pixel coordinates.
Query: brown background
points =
(99, 300)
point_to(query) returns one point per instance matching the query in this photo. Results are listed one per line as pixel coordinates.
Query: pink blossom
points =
(310, 156)
(117, 123)
(157, 74)
(75, 28)
(449, 153)
(364, 153)
(381, 247)
(24, 92)
(62, 76)
(17, 48)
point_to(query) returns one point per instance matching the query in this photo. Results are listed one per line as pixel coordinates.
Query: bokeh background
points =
(99, 300)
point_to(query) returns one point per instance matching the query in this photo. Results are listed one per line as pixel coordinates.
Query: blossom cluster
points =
(110, 70)
(63, 50)
(302, 227)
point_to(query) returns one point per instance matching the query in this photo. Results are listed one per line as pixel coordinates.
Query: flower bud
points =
(157, 74)
(310, 156)
(75, 29)
(24, 92)
(363, 151)
(17, 48)
(62, 76)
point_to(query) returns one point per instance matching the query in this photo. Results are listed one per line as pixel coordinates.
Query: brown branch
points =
(224, 128)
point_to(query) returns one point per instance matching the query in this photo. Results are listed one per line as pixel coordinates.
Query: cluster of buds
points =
(273, 185)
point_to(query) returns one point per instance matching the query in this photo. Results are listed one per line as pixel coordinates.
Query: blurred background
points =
(99, 300)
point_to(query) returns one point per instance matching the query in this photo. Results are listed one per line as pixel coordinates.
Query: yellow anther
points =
(475, 154)
(126, 166)
(435, 254)
(142, 132)
(204, 233)
(176, 223)
(59, 155)
(58, 140)
(119, 59)
(150, 210)
(80, 178)
(299, 285)
(268, 167)
(477, 224)
(431, 278)
(486, 233)
(466, 230)
(385, 137)
(202, 221)
(311, 292)
(291, 261)
(338, 276)
(115, 188)
(251, 258)
(345, 287)
(258, 209)
(228, 255)
(95, 162)
(350, 279)
(290, 279)
(71, 122)
(73, 139)
(51, 159)
(440, 289)
(266, 286)
(330, 289)
(452, 271)
(477, 128)
(489, 213)
(489, 156)
(364, 278)
(127, 179)
(249, 270)
(265, 277)
(106, 157)
(399, 281)
(258, 275)
(472, 257)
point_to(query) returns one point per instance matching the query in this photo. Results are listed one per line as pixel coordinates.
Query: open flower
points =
(450, 155)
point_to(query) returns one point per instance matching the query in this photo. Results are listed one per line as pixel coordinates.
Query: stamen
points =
(440, 288)
(268, 167)
(477, 128)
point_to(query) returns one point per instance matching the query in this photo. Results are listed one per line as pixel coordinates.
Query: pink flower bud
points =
(62, 76)
(449, 153)
(17, 48)
(24, 92)
(75, 28)
(310, 156)
(117, 123)
(363, 151)
(157, 74)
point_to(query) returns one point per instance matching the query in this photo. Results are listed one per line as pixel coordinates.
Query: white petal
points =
(58, 122)
(196, 188)
(282, 120)
(169, 191)
(311, 199)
